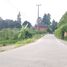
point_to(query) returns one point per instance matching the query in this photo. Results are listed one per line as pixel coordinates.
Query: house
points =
(40, 26)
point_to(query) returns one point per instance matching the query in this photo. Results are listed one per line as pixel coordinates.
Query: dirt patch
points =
(4, 48)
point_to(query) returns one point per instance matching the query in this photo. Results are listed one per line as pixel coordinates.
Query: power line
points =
(11, 4)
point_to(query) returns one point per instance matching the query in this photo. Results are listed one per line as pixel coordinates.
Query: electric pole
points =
(38, 5)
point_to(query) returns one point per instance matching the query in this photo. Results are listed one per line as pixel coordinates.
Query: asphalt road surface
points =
(45, 52)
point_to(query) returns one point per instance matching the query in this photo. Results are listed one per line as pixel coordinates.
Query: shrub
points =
(25, 33)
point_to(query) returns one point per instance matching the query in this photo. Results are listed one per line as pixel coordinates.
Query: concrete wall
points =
(65, 34)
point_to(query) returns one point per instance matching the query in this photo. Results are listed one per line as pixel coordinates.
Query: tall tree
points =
(46, 19)
(54, 25)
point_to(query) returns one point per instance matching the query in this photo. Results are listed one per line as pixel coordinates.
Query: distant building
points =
(39, 26)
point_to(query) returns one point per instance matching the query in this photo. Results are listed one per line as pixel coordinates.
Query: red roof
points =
(41, 27)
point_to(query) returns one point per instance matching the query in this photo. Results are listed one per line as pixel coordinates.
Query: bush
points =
(24, 34)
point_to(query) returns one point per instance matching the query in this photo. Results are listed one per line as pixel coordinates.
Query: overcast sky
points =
(28, 9)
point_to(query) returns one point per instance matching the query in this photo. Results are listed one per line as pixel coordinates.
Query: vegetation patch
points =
(62, 28)
(29, 40)
(8, 36)
(60, 31)
(22, 36)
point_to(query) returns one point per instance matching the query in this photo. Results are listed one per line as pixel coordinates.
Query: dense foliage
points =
(8, 36)
(58, 33)
(62, 27)
(46, 19)
(26, 23)
(24, 34)
(8, 23)
(63, 20)
(13, 35)
(53, 25)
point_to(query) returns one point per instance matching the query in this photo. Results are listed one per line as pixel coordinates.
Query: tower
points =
(19, 18)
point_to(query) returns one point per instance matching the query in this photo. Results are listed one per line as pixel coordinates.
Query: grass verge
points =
(29, 40)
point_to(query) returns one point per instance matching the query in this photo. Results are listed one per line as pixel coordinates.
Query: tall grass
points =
(8, 36)
(16, 36)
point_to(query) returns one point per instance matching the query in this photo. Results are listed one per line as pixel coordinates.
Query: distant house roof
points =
(41, 27)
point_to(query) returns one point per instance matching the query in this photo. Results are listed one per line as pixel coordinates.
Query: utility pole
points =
(38, 5)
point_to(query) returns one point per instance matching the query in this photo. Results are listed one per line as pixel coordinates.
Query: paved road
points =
(46, 52)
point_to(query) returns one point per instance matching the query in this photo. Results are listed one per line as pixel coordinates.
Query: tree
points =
(10, 23)
(27, 23)
(46, 19)
(62, 27)
(54, 25)
(63, 20)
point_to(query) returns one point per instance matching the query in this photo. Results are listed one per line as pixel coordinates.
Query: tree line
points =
(10, 23)
(46, 21)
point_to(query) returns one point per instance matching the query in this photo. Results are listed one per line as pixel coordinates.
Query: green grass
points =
(7, 42)
(8, 36)
(14, 36)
